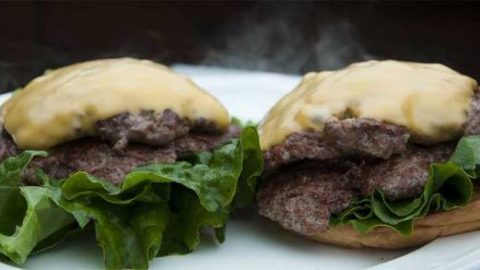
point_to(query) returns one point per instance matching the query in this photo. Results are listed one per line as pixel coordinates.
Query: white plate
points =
(253, 242)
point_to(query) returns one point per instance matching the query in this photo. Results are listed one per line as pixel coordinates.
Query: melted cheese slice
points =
(431, 100)
(65, 104)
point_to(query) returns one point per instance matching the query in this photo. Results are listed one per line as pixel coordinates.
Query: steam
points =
(281, 45)
(337, 47)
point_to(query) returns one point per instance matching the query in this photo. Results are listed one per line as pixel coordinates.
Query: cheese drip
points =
(65, 104)
(431, 100)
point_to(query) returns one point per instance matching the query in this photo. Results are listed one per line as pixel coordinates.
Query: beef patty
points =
(364, 136)
(302, 196)
(125, 141)
(149, 127)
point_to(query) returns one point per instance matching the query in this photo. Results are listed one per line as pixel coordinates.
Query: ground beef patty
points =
(148, 127)
(472, 126)
(402, 176)
(302, 196)
(97, 158)
(126, 141)
(348, 137)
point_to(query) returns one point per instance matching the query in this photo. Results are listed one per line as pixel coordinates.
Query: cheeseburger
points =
(106, 117)
(378, 154)
(128, 147)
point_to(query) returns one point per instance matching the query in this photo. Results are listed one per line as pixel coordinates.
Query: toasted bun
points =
(426, 229)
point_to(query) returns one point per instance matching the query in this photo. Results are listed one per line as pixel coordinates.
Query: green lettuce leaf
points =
(29, 217)
(467, 154)
(159, 209)
(129, 234)
(12, 167)
(252, 168)
(188, 217)
(449, 186)
(31, 220)
(196, 195)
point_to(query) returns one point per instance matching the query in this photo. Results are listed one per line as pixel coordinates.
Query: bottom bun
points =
(426, 229)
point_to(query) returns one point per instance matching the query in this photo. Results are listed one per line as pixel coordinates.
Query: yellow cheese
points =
(65, 104)
(431, 100)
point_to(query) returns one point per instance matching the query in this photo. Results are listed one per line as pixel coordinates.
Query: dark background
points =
(290, 37)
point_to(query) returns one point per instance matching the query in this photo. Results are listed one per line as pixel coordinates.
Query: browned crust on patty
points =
(340, 138)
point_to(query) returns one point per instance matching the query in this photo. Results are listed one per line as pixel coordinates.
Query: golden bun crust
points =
(426, 229)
